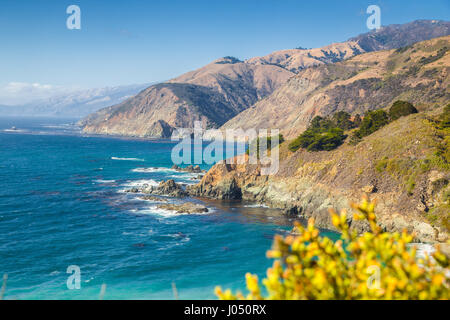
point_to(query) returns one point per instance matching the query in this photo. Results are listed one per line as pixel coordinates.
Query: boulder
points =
(169, 188)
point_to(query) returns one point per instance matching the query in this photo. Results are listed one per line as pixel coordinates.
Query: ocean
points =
(62, 204)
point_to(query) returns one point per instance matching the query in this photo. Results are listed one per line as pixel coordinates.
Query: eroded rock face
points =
(185, 208)
(212, 95)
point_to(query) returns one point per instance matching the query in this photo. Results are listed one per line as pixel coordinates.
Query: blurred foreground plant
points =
(374, 265)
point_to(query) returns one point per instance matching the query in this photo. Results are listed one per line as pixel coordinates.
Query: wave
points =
(138, 184)
(105, 181)
(14, 130)
(256, 206)
(127, 159)
(151, 170)
(141, 183)
(154, 210)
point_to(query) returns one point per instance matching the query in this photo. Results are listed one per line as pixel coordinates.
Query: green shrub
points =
(401, 109)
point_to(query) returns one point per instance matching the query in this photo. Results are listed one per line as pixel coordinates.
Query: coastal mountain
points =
(212, 94)
(223, 89)
(417, 73)
(77, 104)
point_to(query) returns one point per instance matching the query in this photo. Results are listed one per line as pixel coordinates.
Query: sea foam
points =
(127, 159)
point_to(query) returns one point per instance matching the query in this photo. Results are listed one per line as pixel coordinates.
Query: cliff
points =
(401, 165)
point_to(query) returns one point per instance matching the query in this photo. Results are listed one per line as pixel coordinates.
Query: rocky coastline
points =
(308, 185)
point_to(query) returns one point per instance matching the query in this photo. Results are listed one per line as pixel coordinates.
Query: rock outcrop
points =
(167, 188)
(184, 208)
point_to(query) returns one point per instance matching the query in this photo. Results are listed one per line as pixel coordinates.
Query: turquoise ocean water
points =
(62, 203)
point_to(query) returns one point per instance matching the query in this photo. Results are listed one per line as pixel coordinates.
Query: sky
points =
(137, 41)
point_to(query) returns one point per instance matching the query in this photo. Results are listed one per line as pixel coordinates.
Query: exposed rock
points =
(212, 95)
(369, 189)
(189, 169)
(153, 198)
(184, 208)
(169, 188)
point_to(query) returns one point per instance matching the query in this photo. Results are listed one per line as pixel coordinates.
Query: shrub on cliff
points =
(374, 265)
(401, 109)
(323, 134)
(375, 120)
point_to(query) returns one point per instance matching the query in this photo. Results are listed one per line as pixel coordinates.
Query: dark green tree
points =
(343, 120)
(401, 109)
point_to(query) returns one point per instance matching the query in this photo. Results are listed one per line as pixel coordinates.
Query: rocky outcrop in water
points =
(184, 208)
(188, 169)
(167, 188)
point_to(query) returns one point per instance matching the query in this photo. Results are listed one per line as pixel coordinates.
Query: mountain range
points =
(418, 73)
(220, 93)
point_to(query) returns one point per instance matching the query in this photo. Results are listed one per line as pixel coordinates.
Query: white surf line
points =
(127, 159)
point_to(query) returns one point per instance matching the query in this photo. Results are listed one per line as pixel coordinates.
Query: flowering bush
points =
(374, 265)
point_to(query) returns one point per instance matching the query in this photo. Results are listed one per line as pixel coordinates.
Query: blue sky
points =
(136, 41)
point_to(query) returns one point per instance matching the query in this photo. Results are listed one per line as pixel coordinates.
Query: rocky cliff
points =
(401, 166)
